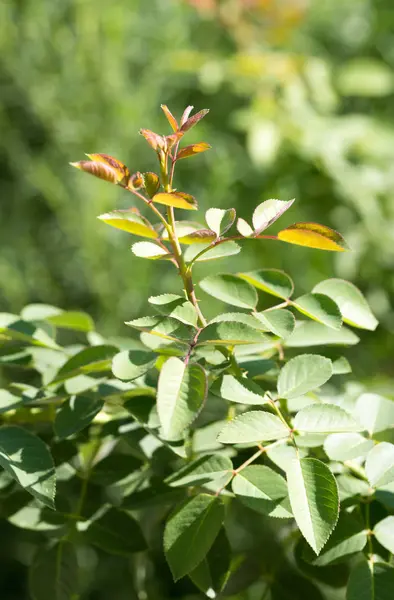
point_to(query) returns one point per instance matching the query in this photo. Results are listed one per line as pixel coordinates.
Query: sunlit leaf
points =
(239, 389)
(155, 141)
(279, 322)
(320, 308)
(379, 465)
(181, 394)
(352, 304)
(192, 150)
(303, 374)
(374, 412)
(193, 120)
(253, 426)
(384, 533)
(313, 235)
(230, 289)
(244, 228)
(220, 220)
(314, 500)
(129, 221)
(199, 236)
(200, 471)
(272, 281)
(122, 172)
(170, 117)
(315, 334)
(263, 490)
(325, 418)
(230, 333)
(346, 446)
(176, 199)
(149, 250)
(211, 253)
(268, 212)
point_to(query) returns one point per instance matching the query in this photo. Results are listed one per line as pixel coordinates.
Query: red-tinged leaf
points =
(192, 150)
(173, 139)
(122, 172)
(136, 181)
(201, 236)
(186, 114)
(97, 169)
(151, 183)
(313, 235)
(155, 141)
(177, 200)
(170, 117)
(192, 121)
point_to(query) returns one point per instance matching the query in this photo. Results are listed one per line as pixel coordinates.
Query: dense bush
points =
(201, 457)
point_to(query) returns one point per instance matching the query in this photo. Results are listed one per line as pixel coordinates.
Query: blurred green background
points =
(301, 97)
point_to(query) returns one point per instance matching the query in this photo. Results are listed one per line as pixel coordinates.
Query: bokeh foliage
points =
(301, 106)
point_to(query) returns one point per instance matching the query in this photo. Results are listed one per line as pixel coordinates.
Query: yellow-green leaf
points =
(129, 221)
(313, 235)
(177, 200)
(170, 117)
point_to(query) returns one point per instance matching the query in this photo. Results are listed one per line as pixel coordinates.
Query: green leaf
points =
(14, 328)
(149, 250)
(190, 532)
(75, 414)
(253, 426)
(185, 313)
(211, 575)
(202, 470)
(315, 334)
(370, 581)
(352, 304)
(320, 308)
(263, 490)
(314, 500)
(239, 389)
(379, 465)
(8, 401)
(268, 212)
(129, 220)
(315, 236)
(116, 532)
(181, 394)
(131, 364)
(151, 183)
(272, 281)
(27, 459)
(176, 200)
(384, 533)
(325, 418)
(219, 220)
(239, 317)
(54, 573)
(341, 366)
(374, 412)
(346, 446)
(279, 322)
(303, 374)
(164, 299)
(230, 289)
(348, 537)
(35, 517)
(89, 360)
(74, 320)
(231, 334)
(211, 252)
